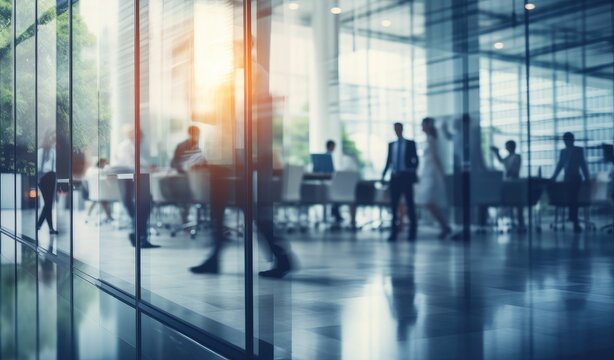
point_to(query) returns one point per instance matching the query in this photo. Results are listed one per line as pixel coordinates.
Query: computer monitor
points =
(322, 163)
(608, 152)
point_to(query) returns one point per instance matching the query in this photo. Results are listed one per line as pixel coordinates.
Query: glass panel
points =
(53, 126)
(8, 305)
(571, 93)
(54, 310)
(371, 105)
(105, 327)
(26, 180)
(192, 150)
(104, 140)
(27, 302)
(7, 128)
(170, 343)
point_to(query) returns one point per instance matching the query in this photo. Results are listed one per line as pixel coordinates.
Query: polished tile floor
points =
(353, 296)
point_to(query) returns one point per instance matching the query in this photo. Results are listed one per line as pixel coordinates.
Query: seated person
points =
(330, 149)
(95, 172)
(511, 164)
(187, 153)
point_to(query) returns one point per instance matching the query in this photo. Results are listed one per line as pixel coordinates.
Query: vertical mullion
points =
(14, 171)
(248, 173)
(137, 175)
(70, 181)
(527, 49)
(36, 168)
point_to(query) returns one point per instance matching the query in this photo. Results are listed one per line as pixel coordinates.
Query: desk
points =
(317, 176)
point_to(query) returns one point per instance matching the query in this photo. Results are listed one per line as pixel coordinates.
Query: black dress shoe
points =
(210, 266)
(411, 237)
(392, 238)
(283, 265)
(147, 245)
(53, 232)
(132, 238)
(276, 272)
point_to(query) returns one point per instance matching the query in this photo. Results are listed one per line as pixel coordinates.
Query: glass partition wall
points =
(215, 177)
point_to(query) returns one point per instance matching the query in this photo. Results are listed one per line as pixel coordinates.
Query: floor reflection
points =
(354, 297)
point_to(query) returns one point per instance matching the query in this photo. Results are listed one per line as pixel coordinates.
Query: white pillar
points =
(324, 81)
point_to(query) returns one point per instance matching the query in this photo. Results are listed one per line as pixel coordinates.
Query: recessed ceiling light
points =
(336, 10)
(529, 6)
(386, 23)
(498, 45)
(293, 6)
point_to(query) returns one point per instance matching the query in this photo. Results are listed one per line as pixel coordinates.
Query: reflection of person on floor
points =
(95, 172)
(187, 153)
(403, 297)
(572, 160)
(511, 164)
(124, 163)
(432, 187)
(403, 161)
(46, 160)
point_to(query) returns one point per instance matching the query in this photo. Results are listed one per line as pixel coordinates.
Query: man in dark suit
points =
(403, 161)
(572, 160)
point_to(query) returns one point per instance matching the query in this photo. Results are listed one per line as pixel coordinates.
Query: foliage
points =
(90, 119)
(295, 140)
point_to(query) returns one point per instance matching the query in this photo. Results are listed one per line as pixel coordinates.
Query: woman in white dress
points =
(432, 188)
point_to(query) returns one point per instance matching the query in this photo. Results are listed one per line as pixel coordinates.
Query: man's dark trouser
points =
(126, 191)
(400, 184)
(572, 188)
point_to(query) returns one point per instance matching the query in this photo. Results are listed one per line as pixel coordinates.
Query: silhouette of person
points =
(94, 172)
(572, 160)
(511, 164)
(46, 160)
(124, 162)
(330, 149)
(432, 186)
(263, 214)
(403, 161)
(187, 152)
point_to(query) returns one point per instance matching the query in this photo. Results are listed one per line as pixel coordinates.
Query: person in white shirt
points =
(432, 186)
(46, 159)
(123, 161)
(94, 172)
(511, 165)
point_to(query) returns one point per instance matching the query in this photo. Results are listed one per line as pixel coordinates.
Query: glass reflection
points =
(112, 322)
(53, 137)
(27, 302)
(25, 139)
(8, 303)
(192, 158)
(103, 139)
(509, 109)
(7, 126)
